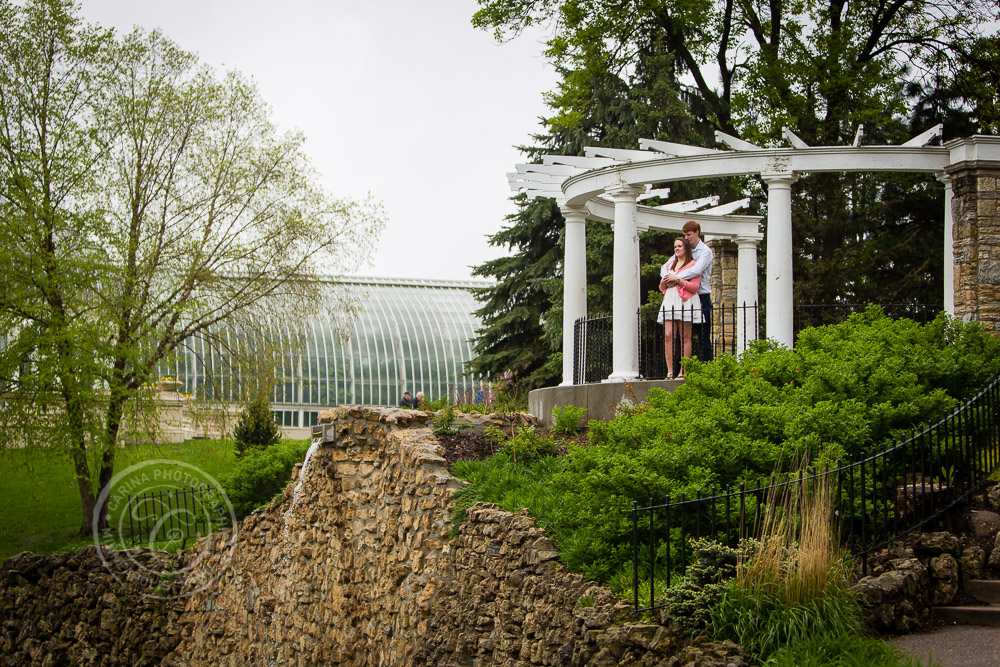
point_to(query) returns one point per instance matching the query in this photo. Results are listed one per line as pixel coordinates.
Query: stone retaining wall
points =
(356, 567)
(69, 609)
(924, 570)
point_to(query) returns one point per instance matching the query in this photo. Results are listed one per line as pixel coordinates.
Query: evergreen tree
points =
(256, 428)
(522, 313)
(514, 337)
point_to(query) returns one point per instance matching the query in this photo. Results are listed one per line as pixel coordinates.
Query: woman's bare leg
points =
(668, 346)
(686, 336)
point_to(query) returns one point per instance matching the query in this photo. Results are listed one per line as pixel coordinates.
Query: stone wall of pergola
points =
(606, 185)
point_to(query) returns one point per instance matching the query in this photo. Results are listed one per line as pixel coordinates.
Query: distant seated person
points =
(420, 397)
(408, 401)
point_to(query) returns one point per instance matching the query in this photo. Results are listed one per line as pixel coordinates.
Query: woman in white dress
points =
(679, 310)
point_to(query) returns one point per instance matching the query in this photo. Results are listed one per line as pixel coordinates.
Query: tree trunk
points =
(87, 498)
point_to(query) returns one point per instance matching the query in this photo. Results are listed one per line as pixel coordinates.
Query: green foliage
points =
(843, 390)
(673, 71)
(137, 185)
(762, 624)
(527, 446)
(618, 59)
(511, 485)
(512, 309)
(841, 651)
(439, 403)
(705, 581)
(256, 428)
(567, 419)
(444, 422)
(503, 396)
(261, 474)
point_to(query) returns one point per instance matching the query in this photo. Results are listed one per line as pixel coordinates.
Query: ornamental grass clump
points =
(792, 582)
(797, 557)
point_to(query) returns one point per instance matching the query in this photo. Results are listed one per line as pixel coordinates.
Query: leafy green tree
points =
(817, 67)
(144, 200)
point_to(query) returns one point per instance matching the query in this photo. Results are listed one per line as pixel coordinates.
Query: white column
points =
(574, 282)
(625, 286)
(780, 298)
(949, 246)
(746, 290)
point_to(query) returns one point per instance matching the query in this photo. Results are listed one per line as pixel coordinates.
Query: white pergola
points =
(607, 185)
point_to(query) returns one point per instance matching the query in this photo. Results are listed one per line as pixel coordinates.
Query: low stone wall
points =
(925, 570)
(355, 566)
(69, 609)
(515, 605)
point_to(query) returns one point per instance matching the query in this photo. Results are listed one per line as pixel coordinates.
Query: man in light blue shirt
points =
(703, 257)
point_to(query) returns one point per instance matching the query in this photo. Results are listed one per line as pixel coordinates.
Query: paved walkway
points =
(954, 646)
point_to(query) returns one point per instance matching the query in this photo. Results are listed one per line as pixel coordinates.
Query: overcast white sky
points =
(400, 98)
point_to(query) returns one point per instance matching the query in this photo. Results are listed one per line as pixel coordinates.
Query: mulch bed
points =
(472, 446)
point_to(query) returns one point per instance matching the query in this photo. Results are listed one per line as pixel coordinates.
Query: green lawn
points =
(42, 510)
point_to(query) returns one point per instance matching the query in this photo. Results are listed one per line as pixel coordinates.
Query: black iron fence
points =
(173, 515)
(732, 329)
(876, 500)
(820, 314)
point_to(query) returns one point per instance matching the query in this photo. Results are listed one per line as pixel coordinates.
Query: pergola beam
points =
(690, 204)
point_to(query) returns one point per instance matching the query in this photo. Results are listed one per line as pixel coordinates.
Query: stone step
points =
(987, 590)
(981, 615)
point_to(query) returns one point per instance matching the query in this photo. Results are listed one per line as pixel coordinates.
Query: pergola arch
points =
(607, 184)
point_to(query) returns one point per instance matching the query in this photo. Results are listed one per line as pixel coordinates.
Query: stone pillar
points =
(574, 283)
(780, 297)
(747, 298)
(723, 286)
(975, 175)
(625, 289)
(949, 246)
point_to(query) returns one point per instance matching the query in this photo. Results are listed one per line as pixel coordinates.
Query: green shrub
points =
(705, 581)
(444, 422)
(567, 419)
(260, 475)
(841, 651)
(844, 390)
(256, 428)
(439, 403)
(526, 446)
(512, 486)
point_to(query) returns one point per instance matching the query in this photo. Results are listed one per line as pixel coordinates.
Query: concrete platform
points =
(599, 398)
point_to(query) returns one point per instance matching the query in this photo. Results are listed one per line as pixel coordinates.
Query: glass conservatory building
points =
(409, 335)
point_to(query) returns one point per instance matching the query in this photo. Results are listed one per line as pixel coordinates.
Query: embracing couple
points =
(687, 301)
